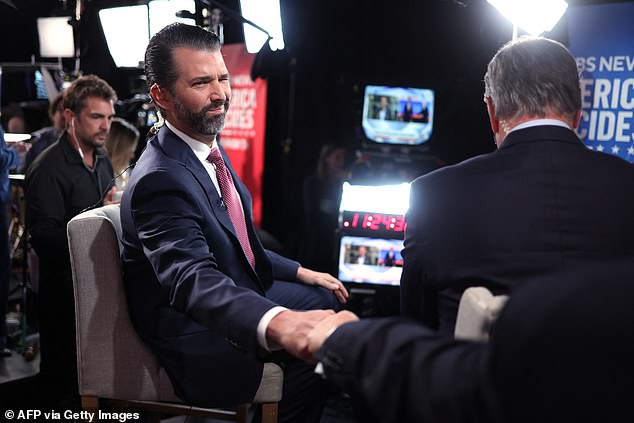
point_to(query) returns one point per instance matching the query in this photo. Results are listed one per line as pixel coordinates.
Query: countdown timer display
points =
(373, 222)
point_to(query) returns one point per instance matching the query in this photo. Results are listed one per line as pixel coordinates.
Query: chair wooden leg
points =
(90, 403)
(242, 413)
(269, 412)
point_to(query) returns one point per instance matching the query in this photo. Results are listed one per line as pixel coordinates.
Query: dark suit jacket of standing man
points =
(541, 200)
(189, 256)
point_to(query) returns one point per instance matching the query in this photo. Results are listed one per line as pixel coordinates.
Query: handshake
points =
(302, 333)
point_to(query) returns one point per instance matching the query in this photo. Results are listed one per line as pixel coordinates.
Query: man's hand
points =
(21, 148)
(289, 329)
(326, 327)
(109, 199)
(310, 277)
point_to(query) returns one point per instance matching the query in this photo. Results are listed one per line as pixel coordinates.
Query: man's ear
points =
(576, 119)
(161, 97)
(495, 123)
(69, 115)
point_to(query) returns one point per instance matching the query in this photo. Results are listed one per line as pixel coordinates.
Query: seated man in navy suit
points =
(203, 293)
(541, 200)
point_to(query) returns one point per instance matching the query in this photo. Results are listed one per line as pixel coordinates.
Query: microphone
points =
(186, 14)
(108, 187)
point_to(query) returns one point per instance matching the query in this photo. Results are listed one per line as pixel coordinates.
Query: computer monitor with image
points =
(398, 115)
(370, 260)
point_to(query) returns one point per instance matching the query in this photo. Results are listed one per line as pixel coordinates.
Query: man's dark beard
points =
(200, 121)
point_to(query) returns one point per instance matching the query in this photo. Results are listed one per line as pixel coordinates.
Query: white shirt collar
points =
(540, 122)
(201, 150)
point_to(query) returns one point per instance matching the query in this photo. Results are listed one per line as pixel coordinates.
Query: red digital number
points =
(379, 221)
(367, 221)
(376, 221)
(355, 220)
(385, 221)
(399, 225)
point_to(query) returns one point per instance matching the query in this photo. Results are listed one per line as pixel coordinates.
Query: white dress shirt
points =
(540, 122)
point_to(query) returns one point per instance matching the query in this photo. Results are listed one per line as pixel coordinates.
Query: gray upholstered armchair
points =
(112, 361)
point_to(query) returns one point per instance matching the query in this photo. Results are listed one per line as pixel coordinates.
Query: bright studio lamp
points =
(533, 16)
(55, 36)
(388, 199)
(127, 46)
(128, 28)
(265, 14)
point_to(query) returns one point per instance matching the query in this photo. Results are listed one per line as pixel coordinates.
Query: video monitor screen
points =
(23, 85)
(398, 115)
(370, 260)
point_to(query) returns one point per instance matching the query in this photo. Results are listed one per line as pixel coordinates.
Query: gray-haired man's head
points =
(533, 77)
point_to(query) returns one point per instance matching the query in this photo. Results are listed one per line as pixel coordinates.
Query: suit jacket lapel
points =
(174, 148)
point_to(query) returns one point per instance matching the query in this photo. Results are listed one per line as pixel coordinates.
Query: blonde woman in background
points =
(121, 145)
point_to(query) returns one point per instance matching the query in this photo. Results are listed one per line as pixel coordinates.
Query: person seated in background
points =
(120, 146)
(71, 175)
(541, 200)
(203, 293)
(16, 124)
(216, 24)
(321, 197)
(561, 351)
(45, 137)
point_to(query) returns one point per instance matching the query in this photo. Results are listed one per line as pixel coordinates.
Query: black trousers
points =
(58, 364)
(5, 271)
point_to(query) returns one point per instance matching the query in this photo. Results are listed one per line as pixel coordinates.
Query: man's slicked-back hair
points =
(159, 64)
(532, 76)
(87, 86)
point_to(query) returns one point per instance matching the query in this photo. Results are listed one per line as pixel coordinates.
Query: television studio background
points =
(317, 80)
(325, 69)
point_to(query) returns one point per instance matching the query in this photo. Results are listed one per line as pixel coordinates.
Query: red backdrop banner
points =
(243, 135)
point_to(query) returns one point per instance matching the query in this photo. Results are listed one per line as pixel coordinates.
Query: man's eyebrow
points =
(202, 78)
(207, 78)
(99, 114)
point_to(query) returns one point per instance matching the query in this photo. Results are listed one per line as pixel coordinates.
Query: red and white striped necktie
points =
(232, 202)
